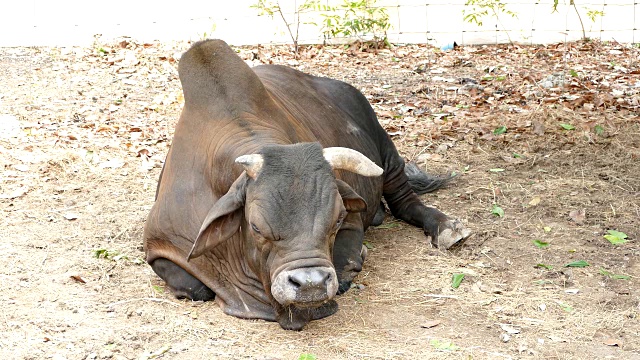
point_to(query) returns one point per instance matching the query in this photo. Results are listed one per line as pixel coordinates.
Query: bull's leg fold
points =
(181, 283)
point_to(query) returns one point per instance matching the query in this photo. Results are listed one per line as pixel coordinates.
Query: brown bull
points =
(262, 201)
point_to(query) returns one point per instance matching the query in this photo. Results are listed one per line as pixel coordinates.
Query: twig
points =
(144, 299)
(584, 34)
(294, 39)
(441, 296)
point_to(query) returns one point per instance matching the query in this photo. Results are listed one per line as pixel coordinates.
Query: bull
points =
(271, 180)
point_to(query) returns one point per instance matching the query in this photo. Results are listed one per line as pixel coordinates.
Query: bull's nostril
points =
(327, 278)
(307, 279)
(294, 282)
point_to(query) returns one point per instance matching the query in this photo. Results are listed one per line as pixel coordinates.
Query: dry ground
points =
(80, 167)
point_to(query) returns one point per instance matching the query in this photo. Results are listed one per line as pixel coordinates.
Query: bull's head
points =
(289, 207)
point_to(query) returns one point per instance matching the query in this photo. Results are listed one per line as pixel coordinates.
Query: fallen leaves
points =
(456, 280)
(430, 323)
(497, 210)
(616, 237)
(577, 264)
(578, 216)
(541, 244)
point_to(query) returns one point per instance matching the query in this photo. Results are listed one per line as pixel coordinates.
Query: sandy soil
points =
(85, 131)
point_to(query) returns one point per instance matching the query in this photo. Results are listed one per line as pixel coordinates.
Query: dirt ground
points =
(84, 131)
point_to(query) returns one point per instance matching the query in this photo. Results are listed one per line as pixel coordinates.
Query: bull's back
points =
(334, 111)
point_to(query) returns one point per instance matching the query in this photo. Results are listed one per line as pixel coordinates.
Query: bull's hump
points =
(211, 69)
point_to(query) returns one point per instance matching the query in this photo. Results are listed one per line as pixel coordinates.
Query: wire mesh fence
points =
(68, 22)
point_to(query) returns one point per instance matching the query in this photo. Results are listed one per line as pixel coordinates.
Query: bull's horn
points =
(252, 164)
(351, 160)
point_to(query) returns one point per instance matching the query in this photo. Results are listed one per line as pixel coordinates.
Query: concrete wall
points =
(74, 22)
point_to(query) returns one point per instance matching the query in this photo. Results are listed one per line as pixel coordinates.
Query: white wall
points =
(74, 22)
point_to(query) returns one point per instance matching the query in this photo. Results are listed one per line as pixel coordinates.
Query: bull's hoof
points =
(452, 232)
(343, 286)
(350, 271)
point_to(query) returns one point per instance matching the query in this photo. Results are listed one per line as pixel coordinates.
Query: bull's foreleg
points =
(348, 251)
(405, 204)
(181, 283)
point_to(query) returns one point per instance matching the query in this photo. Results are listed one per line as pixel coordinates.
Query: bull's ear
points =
(223, 220)
(352, 201)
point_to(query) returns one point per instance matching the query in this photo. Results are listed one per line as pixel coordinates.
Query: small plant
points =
(271, 8)
(541, 244)
(443, 345)
(614, 276)
(105, 254)
(497, 210)
(307, 357)
(206, 35)
(594, 14)
(599, 129)
(456, 280)
(591, 14)
(359, 18)
(500, 130)
(565, 307)
(115, 255)
(478, 9)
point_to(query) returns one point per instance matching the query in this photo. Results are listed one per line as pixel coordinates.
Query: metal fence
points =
(75, 22)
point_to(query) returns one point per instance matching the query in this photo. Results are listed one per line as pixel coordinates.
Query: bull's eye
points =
(255, 228)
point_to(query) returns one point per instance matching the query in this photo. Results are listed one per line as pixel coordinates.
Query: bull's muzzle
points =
(305, 287)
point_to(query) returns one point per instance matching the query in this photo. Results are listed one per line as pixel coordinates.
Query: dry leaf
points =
(578, 216)
(430, 323)
(612, 342)
(78, 279)
(538, 128)
(509, 329)
(535, 201)
(70, 216)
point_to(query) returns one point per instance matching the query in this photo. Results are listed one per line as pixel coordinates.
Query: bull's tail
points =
(421, 182)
